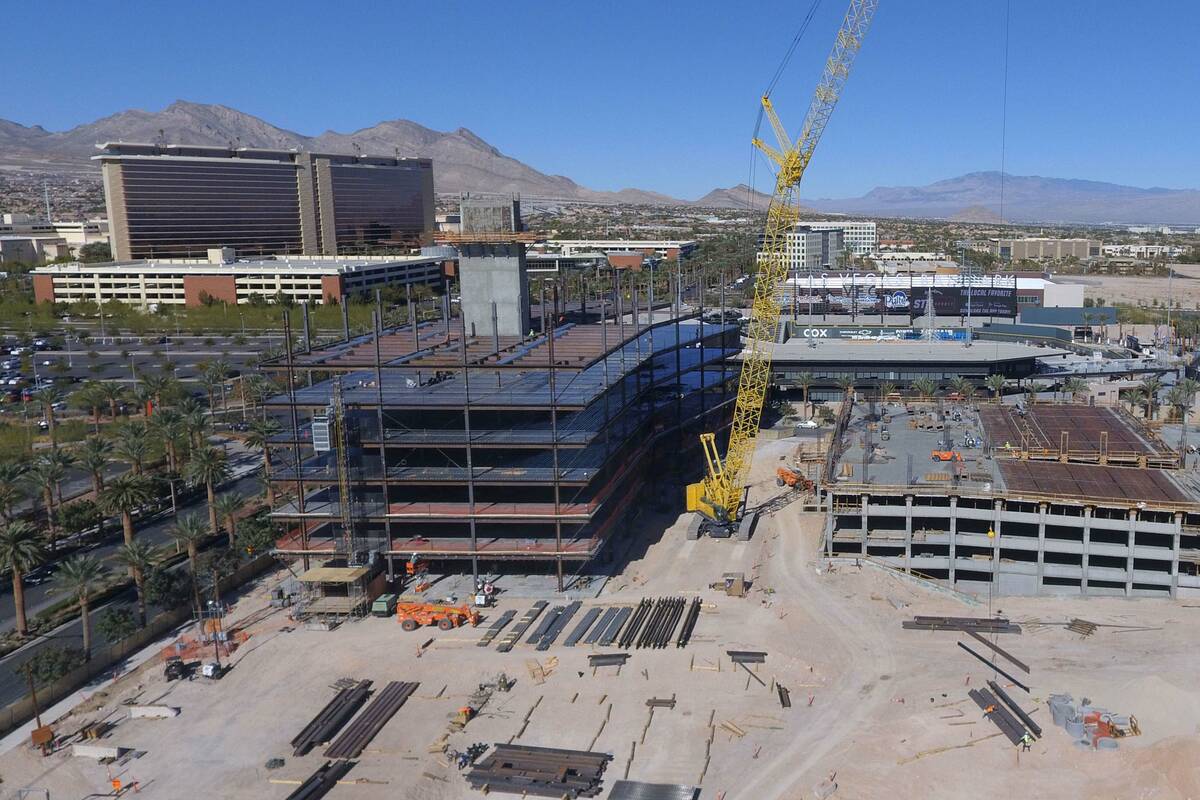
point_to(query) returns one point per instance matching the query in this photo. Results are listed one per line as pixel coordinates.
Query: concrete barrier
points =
(153, 712)
(97, 751)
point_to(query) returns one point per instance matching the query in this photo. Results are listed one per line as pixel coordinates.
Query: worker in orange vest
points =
(989, 710)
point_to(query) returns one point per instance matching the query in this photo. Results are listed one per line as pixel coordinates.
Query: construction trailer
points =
(489, 453)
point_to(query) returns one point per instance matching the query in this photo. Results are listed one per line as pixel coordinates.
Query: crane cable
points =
(1004, 108)
(787, 57)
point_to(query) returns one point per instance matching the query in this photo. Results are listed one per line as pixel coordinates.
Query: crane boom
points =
(719, 495)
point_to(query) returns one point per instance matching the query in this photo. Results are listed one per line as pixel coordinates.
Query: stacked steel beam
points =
(541, 771)
(336, 713)
(371, 721)
(661, 625)
(630, 633)
(689, 623)
(322, 781)
(965, 624)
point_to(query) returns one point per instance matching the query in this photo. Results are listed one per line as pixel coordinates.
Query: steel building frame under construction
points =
(535, 449)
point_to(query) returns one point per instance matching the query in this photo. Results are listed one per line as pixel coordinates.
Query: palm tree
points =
(113, 393)
(228, 505)
(79, 576)
(189, 531)
(209, 379)
(12, 475)
(1182, 396)
(924, 387)
(155, 385)
(45, 474)
(220, 370)
(804, 380)
(48, 397)
(195, 421)
(846, 384)
(90, 398)
(123, 496)
(20, 551)
(95, 454)
(208, 466)
(1150, 389)
(133, 445)
(167, 426)
(1074, 385)
(886, 390)
(262, 430)
(961, 386)
(995, 384)
(140, 558)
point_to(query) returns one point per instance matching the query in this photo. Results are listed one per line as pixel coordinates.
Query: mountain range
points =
(465, 162)
(975, 197)
(462, 160)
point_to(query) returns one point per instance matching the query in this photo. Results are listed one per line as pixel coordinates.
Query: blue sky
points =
(657, 95)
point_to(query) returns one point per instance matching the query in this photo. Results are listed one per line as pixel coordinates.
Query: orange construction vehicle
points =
(414, 615)
(791, 478)
(945, 455)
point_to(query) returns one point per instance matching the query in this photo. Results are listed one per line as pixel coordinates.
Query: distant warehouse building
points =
(178, 201)
(192, 282)
(1041, 248)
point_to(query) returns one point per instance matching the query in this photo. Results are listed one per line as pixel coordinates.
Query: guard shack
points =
(335, 593)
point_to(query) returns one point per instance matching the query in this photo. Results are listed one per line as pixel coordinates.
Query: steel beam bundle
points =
(640, 615)
(999, 715)
(541, 771)
(371, 721)
(336, 713)
(689, 623)
(661, 625)
(609, 615)
(561, 621)
(513, 636)
(321, 781)
(545, 625)
(494, 629)
(614, 627)
(1034, 728)
(747, 656)
(582, 627)
(636, 790)
(965, 624)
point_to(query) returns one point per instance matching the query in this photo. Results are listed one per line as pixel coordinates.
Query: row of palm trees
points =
(173, 436)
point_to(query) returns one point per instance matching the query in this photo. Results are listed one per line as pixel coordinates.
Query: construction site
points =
(488, 444)
(556, 544)
(1036, 499)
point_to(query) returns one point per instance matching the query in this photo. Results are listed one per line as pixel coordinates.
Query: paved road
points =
(13, 684)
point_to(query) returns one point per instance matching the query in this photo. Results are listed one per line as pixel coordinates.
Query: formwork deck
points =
(573, 390)
(1088, 481)
(1042, 428)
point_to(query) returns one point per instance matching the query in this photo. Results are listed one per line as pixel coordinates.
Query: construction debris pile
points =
(1089, 726)
(541, 771)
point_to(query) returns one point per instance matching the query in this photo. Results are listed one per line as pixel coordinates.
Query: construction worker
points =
(989, 710)
(1026, 742)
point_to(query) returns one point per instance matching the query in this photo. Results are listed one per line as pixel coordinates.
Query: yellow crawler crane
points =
(719, 496)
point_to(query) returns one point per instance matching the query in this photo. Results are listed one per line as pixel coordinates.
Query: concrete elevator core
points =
(494, 273)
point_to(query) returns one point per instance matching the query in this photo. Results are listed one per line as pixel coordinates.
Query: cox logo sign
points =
(815, 333)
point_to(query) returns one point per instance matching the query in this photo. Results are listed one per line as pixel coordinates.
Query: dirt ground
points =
(1140, 291)
(882, 710)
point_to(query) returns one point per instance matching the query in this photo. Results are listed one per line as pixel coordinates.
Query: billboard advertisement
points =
(953, 301)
